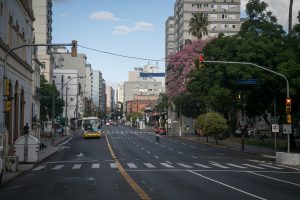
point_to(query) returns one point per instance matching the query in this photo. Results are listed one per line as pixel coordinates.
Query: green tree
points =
(46, 91)
(134, 116)
(198, 25)
(211, 124)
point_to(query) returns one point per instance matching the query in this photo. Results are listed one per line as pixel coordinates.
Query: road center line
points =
(276, 179)
(142, 194)
(221, 183)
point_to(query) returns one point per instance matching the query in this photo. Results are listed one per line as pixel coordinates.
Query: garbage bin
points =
(27, 148)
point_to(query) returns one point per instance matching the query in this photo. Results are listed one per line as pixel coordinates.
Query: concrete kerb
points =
(224, 147)
(7, 177)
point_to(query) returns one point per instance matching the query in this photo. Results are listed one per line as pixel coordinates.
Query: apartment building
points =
(43, 34)
(223, 15)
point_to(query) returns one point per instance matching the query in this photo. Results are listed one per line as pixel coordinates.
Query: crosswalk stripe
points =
(184, 165)
(57, 167)
(218, 165)
(237, 166)
(270, 166)
(95, 165)
(253, 166)
(131, 165)
(149, 165)
(167, 165)
(77, 166)
(38, 168)
(200, 165)
(113, 165)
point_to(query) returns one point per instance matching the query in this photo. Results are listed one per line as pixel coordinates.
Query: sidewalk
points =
(44, 153)
(236, 146)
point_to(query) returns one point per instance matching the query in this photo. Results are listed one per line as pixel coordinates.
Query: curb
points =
(16, 174)
(225, 147)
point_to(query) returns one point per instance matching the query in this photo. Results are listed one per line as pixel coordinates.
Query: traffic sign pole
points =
(275, 130)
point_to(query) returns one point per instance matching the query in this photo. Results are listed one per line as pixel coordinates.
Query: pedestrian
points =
(157, 137)
(26, 129)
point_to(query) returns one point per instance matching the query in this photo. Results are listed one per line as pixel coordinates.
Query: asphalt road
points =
(169, 169)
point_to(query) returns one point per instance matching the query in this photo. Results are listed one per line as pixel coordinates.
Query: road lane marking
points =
(170, 149)
(253, 166)
(131, 165)
(276, 179)
(237, 166)
(148, 152)
(200, 165)
(167, 165)
(149, 165)
(218, 165)
(184, 165)
(95, 165)
(113, 165)
(194, 156)
(156, 156)
(57, 167)
(270, 166)
(77, 166)
(221, 154)
(229, 186)
(142, 194)
(180, 152)
(39, 168)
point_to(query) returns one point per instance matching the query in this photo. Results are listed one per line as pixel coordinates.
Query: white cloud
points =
(138, 26)
(103, 15)
(280, 9)
(120, 30)
(64, 15)
(143, 26)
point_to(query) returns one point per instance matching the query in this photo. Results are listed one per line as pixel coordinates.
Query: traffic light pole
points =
(5, 96)
(266, 69)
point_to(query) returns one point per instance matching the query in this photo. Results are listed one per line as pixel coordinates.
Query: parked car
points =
(1, 170)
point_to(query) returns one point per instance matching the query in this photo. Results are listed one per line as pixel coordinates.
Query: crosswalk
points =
(210, 165)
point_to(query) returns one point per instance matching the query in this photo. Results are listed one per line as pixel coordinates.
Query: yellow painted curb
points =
(143, 195)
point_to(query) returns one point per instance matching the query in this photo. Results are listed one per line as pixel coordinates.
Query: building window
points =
(69, 77)
(232, 7)
(213, 16)
(232, 16)
(1, 9)
(205, 5)
(233, 25)
(43, 65)
(224, 16)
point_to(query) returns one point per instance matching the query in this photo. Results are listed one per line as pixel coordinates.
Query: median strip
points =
(142, 194)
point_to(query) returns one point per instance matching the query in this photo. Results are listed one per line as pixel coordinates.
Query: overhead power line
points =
(120, 55)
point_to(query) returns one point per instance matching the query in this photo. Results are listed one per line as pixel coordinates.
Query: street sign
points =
(169, 121)
(275, 128)
(287, 128)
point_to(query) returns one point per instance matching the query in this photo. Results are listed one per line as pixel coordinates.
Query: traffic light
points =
(289, 119)
(288, 105)
(201, 59)
(7, 105)
(74, 48)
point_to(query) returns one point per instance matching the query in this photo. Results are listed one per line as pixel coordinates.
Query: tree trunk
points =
(290, 16)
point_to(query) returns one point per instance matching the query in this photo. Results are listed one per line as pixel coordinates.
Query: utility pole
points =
(66, 119)
(53, 111)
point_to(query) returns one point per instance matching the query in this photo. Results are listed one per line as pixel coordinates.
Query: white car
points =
(1, 170)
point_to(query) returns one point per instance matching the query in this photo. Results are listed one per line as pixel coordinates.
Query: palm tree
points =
(290, 15)
(198, 25)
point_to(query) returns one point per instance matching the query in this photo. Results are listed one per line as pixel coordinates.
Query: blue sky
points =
(128, 27)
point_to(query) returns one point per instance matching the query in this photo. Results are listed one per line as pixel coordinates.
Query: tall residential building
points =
(120, 93)
(16, 28)
(169, 36)
(43, 34)
(223, 15)
(88, 81)
(98, 93)
(110, 99)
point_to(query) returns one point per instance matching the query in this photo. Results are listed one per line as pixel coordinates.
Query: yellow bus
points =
(91, 127)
